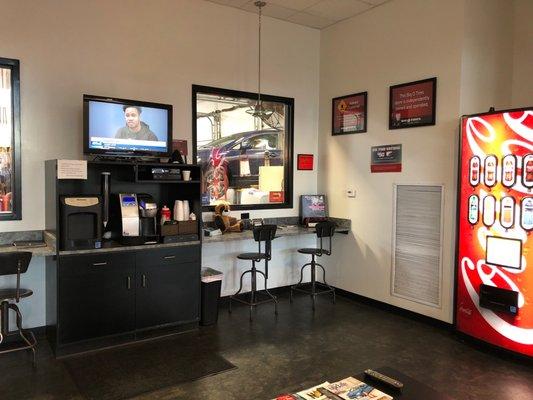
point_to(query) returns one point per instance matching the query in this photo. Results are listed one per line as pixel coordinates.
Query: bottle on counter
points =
(165, 214)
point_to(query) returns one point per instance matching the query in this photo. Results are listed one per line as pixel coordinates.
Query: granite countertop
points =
(343, 227)
(7, 239)
(113, 248)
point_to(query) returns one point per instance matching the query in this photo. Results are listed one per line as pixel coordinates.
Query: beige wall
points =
(487, 58)
(148, 50)
(402, 41)
(468, 46)
(522, 54)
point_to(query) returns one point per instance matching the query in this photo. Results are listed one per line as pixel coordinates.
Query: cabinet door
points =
(168, 286)
(96, 295)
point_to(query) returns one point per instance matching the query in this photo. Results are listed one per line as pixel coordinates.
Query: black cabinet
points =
(96, 296)
(168, 286)
(102, 294)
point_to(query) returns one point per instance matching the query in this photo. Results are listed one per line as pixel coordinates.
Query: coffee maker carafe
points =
(147, 218)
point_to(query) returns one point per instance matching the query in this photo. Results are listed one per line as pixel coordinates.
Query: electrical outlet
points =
(350, 192)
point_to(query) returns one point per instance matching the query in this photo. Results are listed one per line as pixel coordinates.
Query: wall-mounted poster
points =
(349, 114)
(386, 158)
(412, 104)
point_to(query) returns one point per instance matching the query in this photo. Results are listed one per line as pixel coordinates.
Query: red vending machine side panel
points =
(494, 288)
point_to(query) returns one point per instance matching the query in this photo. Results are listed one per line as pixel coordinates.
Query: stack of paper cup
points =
(178, 210)
(186, 211)
(181, 210)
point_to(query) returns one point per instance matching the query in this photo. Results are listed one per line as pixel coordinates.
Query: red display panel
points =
(496, 202)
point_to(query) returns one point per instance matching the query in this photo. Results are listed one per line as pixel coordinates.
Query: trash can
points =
(211, 284)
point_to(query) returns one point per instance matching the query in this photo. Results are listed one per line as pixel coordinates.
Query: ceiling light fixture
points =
(257, 110)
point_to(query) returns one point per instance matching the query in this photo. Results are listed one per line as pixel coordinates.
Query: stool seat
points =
(310, 251)
(11, 294)
(252, 256)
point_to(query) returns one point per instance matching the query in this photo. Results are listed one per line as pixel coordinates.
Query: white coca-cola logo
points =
(464, 310)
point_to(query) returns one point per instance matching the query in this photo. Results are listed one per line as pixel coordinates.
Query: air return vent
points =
(417, 243)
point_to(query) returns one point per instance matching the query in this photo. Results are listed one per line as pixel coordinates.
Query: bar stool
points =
(11, 264)
(323, 230)
(263, 233)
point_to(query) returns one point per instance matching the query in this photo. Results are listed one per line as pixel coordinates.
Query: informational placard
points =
(71, 169)
(181, 145)
(412, 104)
(349, 114)
(305, 162)
(386, 158)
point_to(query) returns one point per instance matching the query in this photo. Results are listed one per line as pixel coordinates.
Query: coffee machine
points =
(133, 218)
(148, 218)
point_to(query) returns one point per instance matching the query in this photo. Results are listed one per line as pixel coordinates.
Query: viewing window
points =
(9, 140)
(246, 160)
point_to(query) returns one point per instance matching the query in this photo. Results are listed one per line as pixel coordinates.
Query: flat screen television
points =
(129, 128)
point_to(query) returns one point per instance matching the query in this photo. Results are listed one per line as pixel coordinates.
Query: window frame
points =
(16, 212)
(288, 150)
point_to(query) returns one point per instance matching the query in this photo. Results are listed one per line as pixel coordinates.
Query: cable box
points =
(171, 174)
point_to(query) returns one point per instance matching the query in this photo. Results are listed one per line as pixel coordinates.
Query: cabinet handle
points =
(143, 284)
(99, 264)
(128, 285)
(169, 257)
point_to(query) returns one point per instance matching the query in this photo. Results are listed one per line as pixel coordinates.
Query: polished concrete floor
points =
(298, 349)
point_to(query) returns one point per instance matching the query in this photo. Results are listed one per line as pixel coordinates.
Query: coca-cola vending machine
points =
(494, 277)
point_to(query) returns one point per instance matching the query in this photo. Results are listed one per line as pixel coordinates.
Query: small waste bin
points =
(211, 283)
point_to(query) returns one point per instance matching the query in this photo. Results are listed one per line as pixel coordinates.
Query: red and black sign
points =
(413, 104)
(305, 162)
(349, 114)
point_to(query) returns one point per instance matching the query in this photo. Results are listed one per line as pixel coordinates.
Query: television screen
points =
(128, 127)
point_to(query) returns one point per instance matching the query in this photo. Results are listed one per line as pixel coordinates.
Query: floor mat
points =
(126, 372)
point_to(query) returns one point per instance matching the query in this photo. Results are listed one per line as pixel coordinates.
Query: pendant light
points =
(257, 110)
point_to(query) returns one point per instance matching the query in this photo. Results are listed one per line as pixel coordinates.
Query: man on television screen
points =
(135, 128)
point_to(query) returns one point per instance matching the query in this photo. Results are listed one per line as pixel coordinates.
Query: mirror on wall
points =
(246, 156)
(9, 139)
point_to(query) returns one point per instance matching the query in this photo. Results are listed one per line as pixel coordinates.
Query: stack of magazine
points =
(346, 389)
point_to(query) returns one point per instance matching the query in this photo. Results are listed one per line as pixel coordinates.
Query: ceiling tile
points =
(313, 21)
(270, 10)
(293, 4)
(338, 9)
(232, 3)
(375, 2)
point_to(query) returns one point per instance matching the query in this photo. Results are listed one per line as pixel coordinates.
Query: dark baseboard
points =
(394, 309)
(39, 331)
(485, 347)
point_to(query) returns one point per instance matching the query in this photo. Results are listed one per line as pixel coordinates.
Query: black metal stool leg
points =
(300, 281)
(325, 283)
(240, 288)
(274, 298)
(21, 333)
(313, 281)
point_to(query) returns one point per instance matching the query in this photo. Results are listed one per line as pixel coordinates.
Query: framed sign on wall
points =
(412, 104)
(349, 114)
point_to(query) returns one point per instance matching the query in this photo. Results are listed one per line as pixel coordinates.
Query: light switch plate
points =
(350, 192)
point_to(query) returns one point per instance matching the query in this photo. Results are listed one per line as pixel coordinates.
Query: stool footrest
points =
(307, 287)
(242, 300)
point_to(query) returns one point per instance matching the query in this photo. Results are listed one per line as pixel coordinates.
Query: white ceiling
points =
(313, 13)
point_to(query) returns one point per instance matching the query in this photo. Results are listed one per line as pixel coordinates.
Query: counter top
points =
(48, 239)
(113, 248)
(343, 227)
(36, 251)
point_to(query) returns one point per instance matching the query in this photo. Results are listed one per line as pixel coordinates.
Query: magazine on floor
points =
(353, 389)
(347, 389)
